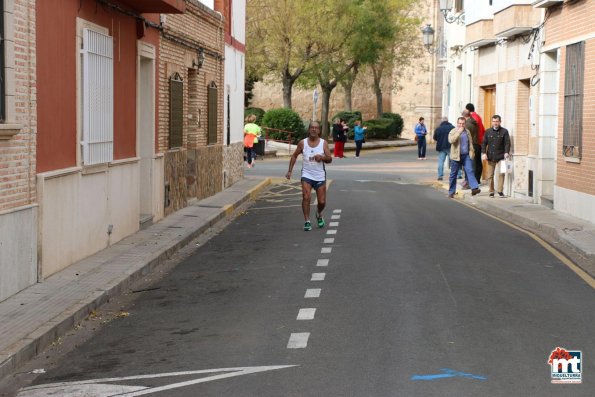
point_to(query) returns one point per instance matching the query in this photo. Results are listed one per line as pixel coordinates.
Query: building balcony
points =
(156, 6)
(546, 3)
(516, 19)
(480, 33)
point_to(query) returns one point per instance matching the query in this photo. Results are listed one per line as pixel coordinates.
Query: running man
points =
(315, 153)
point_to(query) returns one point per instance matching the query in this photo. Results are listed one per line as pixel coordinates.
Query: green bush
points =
(287, 120)
(258, 112)
(398, 120)
(382, 128)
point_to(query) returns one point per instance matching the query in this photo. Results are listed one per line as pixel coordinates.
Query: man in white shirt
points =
(315, 154)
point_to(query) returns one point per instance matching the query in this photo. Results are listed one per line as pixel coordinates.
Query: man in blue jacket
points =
(442, 144)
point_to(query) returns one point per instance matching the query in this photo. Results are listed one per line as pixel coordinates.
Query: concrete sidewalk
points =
(35, 317)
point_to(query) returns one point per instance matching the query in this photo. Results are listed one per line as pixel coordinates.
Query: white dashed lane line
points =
(322, 262)
(306, 314)
(318, 276)
(313, 293)
(298, 340)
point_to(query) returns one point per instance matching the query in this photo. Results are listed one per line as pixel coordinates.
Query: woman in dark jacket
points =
(340, 129)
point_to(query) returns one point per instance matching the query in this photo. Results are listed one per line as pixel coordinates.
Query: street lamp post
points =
(446, 8)
(428, 38)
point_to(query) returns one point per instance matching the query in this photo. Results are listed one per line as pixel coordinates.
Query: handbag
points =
(416, 138)
(506, 166)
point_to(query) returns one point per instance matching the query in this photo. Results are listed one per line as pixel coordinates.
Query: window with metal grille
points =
(98, 98)
(573, 100)
(2, 82)
(212, 114)
(176, 111)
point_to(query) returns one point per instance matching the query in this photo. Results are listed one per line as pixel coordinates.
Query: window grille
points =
(2, 65)
(98, 94)
(176, 111)
(573, 100)
(212, 114)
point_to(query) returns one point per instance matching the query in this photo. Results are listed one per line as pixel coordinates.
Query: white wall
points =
(18, 250)
(234, 85)
(477, 10)
(208, 3)
(77, 209)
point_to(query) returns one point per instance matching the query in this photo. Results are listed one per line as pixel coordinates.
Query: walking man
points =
(461, 155)
(477, 165)
(420, 136)
(494, 148)
(315, 153)
(442, 144)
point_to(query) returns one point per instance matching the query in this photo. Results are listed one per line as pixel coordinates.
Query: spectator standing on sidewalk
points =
(251, 134)
(359, 136)
(316, 153)
(477, 164)
(461, 155)
(494, 148)
(442, 144)
(420, 137)
(340, 129)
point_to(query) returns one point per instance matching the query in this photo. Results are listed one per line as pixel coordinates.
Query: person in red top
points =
(477, 166)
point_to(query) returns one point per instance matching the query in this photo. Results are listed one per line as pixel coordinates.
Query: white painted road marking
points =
(306, 314)
(334, 224)
(313, 293)
(298, 340)
(322, 262)
(332, 231)
(98, 388)
(318, 276)
(335, 216)
(329, 240)
(336, 211)
(326, 250)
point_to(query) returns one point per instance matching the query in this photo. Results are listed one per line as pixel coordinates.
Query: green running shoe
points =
(320, 220)
(307, 226)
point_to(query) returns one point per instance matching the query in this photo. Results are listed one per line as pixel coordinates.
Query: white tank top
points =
(311, 169)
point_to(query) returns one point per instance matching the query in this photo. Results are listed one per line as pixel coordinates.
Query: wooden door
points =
(489, 109)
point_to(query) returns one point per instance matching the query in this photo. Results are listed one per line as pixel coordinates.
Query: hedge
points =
(398, 120)
(258, 112)
(287, 120)
(382, 128)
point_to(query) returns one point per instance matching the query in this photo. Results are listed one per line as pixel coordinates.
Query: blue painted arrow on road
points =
(448, 373)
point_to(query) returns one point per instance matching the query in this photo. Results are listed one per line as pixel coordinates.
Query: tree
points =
(281, 39)
(400, 55)
(359, 32)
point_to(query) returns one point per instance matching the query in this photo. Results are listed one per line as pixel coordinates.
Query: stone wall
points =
(233, 164)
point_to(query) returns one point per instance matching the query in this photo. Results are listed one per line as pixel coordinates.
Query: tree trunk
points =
(348, 99)
(326, 100)
(378, 93)
(377, 73)
(287, 89)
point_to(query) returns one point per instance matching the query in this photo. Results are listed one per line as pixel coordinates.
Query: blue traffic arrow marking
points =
(448, 373)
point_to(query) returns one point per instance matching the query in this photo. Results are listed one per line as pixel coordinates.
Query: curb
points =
(34, 343)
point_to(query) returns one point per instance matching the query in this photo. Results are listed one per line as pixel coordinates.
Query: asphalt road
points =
(414, 295)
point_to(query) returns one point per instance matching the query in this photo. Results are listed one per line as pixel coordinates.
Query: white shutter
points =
(98, 94)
